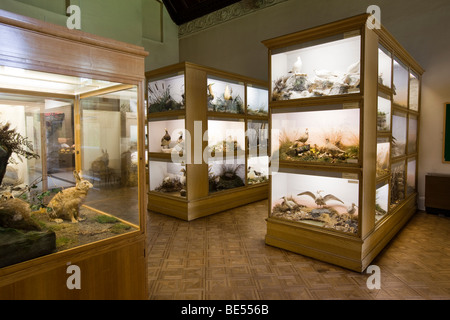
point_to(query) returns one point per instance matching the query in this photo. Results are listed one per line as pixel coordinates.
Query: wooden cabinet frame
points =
(348, 250)
(199, 202)
(115, 268)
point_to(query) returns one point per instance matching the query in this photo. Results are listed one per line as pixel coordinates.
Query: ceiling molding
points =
(228, 13)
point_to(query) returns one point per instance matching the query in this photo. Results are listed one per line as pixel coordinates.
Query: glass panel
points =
(16, 78)
(384, 113)
(381, 200)
(413, 92)
(109, 152)
(166, 94)
(257, 170)
(397, 183)
(168, 177)
(226, 174)
(331, 67)
(412, 134)
(328, 136)
(225, 96)
(384, 67)
(327, 200)
(33, 118)
(60, 205)
(257, 101)
(226, 137)
(383, 156)
(258, 135)
(411, 179)
(401, 76)
(166, 135)
(398, 134)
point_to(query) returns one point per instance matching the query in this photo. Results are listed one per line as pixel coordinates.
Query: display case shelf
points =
(331, 198)
(224, 125)
(81, 112)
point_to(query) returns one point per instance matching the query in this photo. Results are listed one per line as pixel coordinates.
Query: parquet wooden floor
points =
(224, 257)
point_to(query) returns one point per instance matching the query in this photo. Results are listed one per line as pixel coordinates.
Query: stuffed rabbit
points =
(65, 205)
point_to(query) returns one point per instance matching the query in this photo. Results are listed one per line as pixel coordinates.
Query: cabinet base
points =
(350, 252)
(217, 202)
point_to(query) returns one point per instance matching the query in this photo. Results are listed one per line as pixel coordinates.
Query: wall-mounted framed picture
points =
(446, 143)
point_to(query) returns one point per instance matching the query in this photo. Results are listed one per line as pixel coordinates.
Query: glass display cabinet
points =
(344, 109)
(72, 169)
(211, 154)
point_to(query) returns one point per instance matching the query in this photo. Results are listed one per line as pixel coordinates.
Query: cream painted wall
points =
(116, 19)
(420, 26)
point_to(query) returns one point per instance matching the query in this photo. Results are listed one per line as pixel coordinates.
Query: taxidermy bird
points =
(180, 138)
(319, 199)
(165, 141)
(352, 209)
(304, 137)
(210, 92)
(291, 204)
(183, 176)
(330, 147)
(297, 68)
(227, 93)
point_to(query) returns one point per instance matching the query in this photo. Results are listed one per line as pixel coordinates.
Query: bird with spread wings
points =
(320, 200)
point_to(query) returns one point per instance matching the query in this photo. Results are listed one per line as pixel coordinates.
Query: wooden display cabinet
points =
(344, 111)
(79, 100)
(215, 156)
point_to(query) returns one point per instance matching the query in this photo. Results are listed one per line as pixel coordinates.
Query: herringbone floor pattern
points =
(224, 257)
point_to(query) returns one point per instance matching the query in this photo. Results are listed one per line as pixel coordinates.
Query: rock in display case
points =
(341, 93)
(72, 166)
(211, 154)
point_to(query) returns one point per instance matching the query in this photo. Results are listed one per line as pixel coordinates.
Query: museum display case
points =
(72, 165)
(211, 154)
(344, 109)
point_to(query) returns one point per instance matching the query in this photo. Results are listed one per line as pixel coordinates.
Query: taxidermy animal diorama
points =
(16, 213)
(65, 205)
